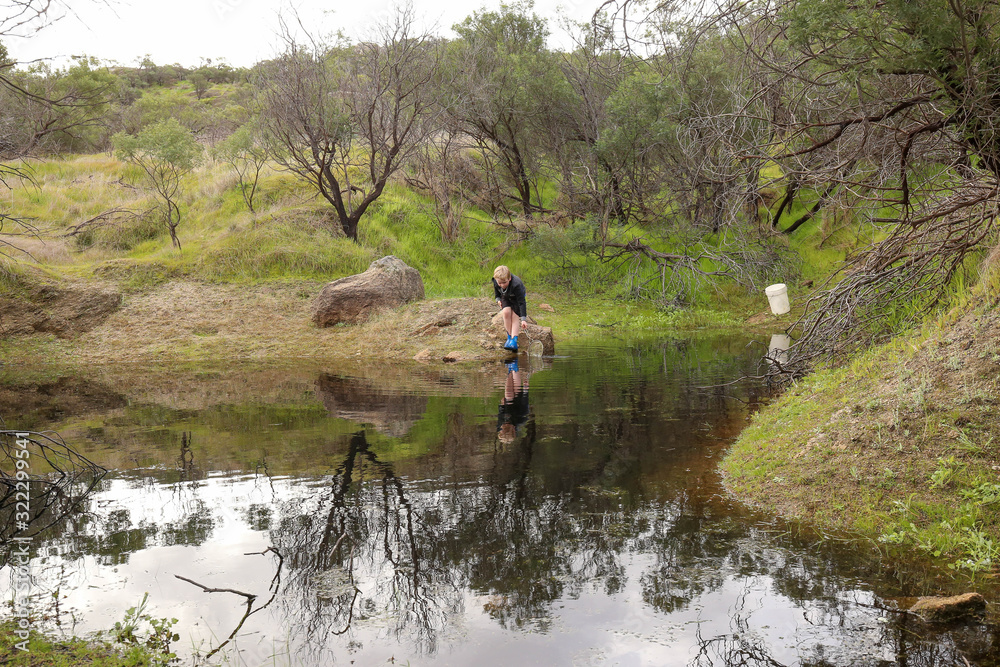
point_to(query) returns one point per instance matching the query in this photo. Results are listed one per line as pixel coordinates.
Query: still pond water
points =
(570, 513)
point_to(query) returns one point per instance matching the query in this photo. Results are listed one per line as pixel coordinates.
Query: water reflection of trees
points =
(113, 535)
(858, 642)
(362, 550)
(531, 523)
(613, 465)
(533, 527)
(42, 482)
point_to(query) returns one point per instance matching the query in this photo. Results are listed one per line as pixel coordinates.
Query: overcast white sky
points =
(241, 32)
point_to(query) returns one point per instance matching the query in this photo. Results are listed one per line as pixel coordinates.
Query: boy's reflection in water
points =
(513, 411)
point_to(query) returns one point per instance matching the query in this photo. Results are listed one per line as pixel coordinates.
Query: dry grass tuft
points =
(42, 251)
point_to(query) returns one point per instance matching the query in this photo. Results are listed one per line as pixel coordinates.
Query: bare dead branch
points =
(249, 596)
(110, 218)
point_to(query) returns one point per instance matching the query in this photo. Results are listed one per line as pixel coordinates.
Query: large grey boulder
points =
(387, 283)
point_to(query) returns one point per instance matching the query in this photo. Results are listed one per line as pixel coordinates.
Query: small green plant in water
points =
(139, 633)
(894, 537)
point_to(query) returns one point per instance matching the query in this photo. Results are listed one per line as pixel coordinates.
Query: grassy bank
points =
(898, 447)
(243, 285)
(41, 650)
(95, 223)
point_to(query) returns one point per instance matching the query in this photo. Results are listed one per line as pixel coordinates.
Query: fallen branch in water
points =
(248, 596)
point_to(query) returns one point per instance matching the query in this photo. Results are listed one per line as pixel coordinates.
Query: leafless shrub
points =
(346, 119)
(11, 225)
(751, 261)
(441, 169)
(890, 284)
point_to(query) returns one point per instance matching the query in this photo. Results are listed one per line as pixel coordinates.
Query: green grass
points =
(14, 279)
(49, 651)
(280, 249)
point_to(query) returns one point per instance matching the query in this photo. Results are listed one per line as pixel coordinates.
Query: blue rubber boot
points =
(513, 344)
(507, 345)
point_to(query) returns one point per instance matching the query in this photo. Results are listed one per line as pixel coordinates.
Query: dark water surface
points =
(412, 515)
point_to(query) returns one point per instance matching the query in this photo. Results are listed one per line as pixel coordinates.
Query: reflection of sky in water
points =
(585, 625)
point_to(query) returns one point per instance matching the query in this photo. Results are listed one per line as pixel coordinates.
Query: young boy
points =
(509, 292)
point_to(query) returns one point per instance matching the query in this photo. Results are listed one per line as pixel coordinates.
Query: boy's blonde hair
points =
(507, 433)
(501, 273)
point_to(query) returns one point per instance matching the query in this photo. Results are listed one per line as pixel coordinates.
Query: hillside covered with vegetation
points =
(669, 157)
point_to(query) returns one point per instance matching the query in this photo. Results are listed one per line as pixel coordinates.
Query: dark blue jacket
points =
(514, 295)
(515, 411)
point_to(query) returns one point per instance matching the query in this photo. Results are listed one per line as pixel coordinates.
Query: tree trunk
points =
(820, 203)
(523, 185)
(172, 223)
(350, 227)
(786, 202)
(617, 207)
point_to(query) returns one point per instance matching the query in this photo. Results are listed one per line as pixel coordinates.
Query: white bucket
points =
(777, 296)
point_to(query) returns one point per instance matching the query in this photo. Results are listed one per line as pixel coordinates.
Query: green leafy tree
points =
(18, 18)
(47, 110)
(165, 152)
(614, 136)
(502, 85)
(152, 74)
(159, 104)
(244, 150)
(200, 82)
